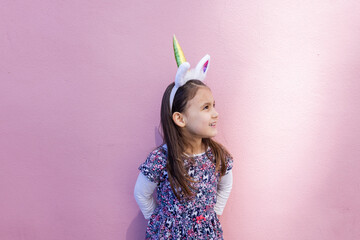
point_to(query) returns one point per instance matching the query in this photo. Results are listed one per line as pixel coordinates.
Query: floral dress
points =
(192, 219)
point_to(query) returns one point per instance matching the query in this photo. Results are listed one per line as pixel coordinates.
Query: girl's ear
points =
(179, 119)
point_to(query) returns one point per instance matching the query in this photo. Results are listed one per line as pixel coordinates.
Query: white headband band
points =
(184, 73)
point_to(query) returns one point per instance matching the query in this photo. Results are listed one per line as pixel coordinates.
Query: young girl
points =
(192, 172)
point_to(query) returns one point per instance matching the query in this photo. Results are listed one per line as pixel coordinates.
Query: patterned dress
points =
(192, 219)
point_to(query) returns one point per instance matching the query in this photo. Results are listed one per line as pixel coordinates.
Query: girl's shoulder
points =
(226, 157)
(155, 163)
(229, 162)
(159, 155)
(160, 151)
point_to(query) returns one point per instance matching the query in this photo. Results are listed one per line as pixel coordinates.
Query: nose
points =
(215, 114)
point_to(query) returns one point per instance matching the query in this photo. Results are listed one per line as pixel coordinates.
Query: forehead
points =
(203, 95)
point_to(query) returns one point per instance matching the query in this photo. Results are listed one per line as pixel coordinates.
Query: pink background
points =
(80, 90)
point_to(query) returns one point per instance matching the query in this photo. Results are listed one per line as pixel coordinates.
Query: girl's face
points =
(200, 115)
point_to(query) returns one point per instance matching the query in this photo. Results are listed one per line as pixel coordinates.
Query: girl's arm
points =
(223, 192)
(143, 191)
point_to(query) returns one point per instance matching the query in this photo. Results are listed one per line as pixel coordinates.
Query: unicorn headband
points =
(184, 73)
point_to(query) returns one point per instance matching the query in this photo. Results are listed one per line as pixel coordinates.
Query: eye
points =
(206, 107)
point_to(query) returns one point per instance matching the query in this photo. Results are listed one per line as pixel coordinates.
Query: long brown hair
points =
(172, 136)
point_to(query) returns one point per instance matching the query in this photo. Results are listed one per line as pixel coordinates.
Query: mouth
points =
(212, 124)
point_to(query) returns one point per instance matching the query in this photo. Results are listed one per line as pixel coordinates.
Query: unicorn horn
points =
(179, 55)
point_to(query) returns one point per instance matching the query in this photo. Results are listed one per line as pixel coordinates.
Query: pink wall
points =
(81, 84)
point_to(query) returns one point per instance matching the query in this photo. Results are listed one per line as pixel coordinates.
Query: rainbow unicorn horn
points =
(184, 73)
(179, 54)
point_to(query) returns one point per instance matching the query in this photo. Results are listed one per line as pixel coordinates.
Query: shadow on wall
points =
(158, 137)
(137, 228)
(138, 225)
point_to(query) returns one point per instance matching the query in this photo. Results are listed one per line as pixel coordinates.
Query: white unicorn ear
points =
(180, 74)
(179, 80)
(202, 68)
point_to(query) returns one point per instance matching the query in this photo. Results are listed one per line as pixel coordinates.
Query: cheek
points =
(198, 121)
(203, 121)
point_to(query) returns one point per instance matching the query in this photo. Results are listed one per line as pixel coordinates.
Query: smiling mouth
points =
(212, 124)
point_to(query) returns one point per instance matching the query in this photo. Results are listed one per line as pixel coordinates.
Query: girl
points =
(192, 172)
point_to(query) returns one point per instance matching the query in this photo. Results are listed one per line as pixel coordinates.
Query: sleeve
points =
(154, 165)
(143, 194)
(229, 163)
(223, 191)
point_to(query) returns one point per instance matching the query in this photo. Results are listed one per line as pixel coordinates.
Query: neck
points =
(195, 146)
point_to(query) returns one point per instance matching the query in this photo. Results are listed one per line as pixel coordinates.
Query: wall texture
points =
(80, 90)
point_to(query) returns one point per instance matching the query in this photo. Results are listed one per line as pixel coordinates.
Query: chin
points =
(212, 135)
(215, 132)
